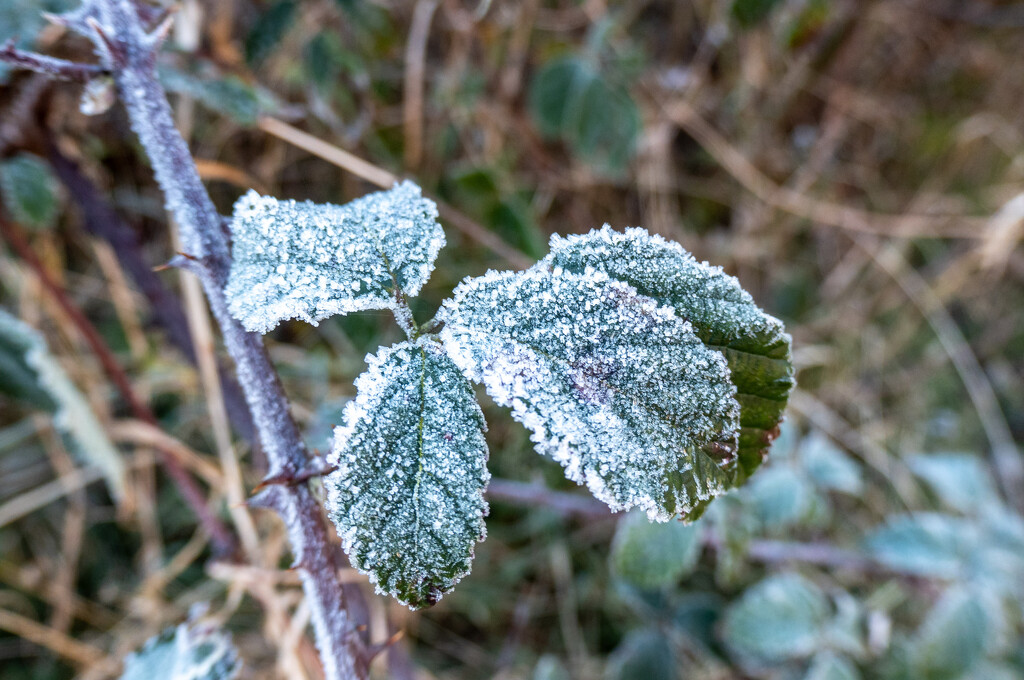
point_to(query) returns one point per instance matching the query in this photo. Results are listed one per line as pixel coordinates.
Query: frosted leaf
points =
(407, 495)
(722, 314)
(309, 261)
(29, 372)
(614, 386)
(191, 651)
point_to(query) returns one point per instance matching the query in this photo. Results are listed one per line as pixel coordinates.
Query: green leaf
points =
(952, 639)
(831, 666)
(228, 95)
(407, 497)
(550, 668)
(552, 91)
(782, 617)
(779, 497)
(749, 13)
(36, 376)
(302, 260)
(191, 651)
(644, 654)
(570, 100)
(961, 481)
(268, 30)
(29, 190)
(830, 467)
(612, 385)
(927, 544)
(721, 313)
(654, 555)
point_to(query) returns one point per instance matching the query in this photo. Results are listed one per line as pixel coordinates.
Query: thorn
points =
(374, 650)
(293, 479)
(158, 36)
(56, 19)
(111, 49)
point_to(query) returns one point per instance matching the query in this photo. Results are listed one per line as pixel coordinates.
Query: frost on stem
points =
(722, 314)
(407, 495)
(613, 385)
(191, 651)
(302, 260)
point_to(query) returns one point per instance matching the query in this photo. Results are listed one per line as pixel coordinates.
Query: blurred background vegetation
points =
(858, 164)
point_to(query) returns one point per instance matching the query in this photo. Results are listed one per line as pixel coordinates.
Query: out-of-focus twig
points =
(415, 65)
(822, 212)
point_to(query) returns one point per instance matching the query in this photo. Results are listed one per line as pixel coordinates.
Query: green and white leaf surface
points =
(407, 495)
(191, 651)
(302, 260)
(29, 372)
(720, 312)
(613, 386)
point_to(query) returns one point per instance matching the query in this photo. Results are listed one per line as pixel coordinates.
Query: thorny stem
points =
(128, 52)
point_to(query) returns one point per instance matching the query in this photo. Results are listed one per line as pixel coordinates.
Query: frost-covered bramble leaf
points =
(28, 371)
(614, 386)
(309, 261)
(722, 314)
(191, 651)
(407, 495)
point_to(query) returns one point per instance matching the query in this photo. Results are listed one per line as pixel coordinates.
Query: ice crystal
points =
(191, 651)
(302, 260)
(722, 314)
(614, 386)
(407, 495)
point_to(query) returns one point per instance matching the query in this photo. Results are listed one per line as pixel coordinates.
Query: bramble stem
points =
(129, 53)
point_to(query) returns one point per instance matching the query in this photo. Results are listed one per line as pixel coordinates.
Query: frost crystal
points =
(407, 495)
(191, 651)
(722, 314)
(613, 385)
(302, 260)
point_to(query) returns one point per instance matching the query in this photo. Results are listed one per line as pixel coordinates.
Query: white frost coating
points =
(614, 386)
(709, 298)
(74, 416)
(723, 315)
(191, 651)
(407, 495)
(309, 261)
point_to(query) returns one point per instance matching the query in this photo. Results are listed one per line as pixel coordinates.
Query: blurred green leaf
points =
(654, 555)
(550, 668)
(644, 654)
(229, 95)
(960, 481)
(29, 190)
(779, 497)
(927, 544)
(952, 639)
(570, 100)
(782, 617)
(72, 413)
(828, 466)
(831, 666)
(192, 651)
(268, 30)
(749, 13)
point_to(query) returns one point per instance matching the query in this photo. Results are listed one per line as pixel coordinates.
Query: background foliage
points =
(856, 163)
